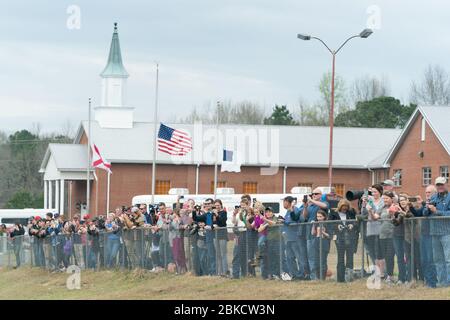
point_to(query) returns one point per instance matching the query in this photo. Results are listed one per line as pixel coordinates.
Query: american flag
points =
(173, 141)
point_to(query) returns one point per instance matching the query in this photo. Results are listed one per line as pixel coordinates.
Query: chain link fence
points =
(418, 249)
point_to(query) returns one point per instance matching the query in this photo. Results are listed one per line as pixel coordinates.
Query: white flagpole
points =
(88, 187)
(108, 192)
(155, 134)
(217, 149)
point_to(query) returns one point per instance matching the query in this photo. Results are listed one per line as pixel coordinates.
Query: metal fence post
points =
(362, 248)
(412, 264)
(321, 276)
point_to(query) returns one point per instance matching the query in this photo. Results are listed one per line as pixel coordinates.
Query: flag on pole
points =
(173, 141)
(230, 162)
(98, 161)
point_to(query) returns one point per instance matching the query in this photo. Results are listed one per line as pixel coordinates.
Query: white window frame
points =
(397, 178)
(444, 172)
(427, 180)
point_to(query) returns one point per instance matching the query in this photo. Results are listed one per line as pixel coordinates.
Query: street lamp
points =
(363, 34)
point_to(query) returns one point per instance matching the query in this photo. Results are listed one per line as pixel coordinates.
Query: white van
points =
(9, 217)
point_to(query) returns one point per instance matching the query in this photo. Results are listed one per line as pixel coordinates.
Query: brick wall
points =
(407, 158)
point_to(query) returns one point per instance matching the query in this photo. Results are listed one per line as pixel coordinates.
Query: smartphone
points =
(412, 199)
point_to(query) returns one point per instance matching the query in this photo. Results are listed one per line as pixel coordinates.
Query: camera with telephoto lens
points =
(351, 195)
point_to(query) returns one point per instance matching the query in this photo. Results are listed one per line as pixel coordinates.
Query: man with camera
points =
(311, 205)
(239, 262)
(437, 207)
(210, 219)
(426, 248)
(296, 262)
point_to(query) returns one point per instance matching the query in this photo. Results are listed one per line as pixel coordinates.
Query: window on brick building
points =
(162, 186)
(443, 172)
(306, 185)
(426, 176)
(397, 177)
(250, 187)
(339, 189)
(220, 184)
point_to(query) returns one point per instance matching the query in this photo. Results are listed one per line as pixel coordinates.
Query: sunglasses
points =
(315, 193)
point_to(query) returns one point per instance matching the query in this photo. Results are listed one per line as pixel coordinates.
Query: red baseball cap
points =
(86, 217)
(37, 218)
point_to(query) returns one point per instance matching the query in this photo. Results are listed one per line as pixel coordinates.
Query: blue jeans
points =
(284, 264)
(399, 248)
(273, 255)
(322, 257)
(211, 253)
(293, 256)
(426, 257)
(112, 248)
(239, 263)
(304, 265)
(312, 247)
(203, 259)
(441, 255)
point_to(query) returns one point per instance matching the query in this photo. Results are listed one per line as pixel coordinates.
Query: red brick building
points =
(422, 151)
(274, 158)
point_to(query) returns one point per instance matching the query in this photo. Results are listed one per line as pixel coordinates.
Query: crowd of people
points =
(291, 246)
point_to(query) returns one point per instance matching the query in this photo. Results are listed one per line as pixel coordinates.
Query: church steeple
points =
(114, 67)
(113, 111)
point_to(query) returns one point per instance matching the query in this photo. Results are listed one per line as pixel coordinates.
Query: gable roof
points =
(437, 117)
(67, 157)
(299, 146)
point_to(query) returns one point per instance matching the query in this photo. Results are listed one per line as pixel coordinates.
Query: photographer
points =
(296, 262)
(346, 239)
(239, 262)
(162, 231)
(113, 237)
(78, 247)
(93, 245)
(387, 217)
(439, 206)
(269, 244)
(40, 234)
(16, 236)
(372, 205)
(426, 248)
(192, 228)
(209, 226)
(176, 235)
(221, 239)
(313, 204)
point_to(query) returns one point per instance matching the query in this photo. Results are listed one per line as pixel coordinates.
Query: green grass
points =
(34, 283)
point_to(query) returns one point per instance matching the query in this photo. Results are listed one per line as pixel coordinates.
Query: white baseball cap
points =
(440, 180)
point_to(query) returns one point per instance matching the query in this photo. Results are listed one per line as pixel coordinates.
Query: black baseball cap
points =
(268, 209)
(289, 199)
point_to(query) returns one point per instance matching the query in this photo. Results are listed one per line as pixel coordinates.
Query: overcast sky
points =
(207, 50)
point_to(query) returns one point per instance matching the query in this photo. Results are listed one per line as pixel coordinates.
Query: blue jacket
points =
(291, 227)
(440, 226)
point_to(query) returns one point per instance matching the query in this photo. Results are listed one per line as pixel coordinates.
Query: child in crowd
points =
(320, 230)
